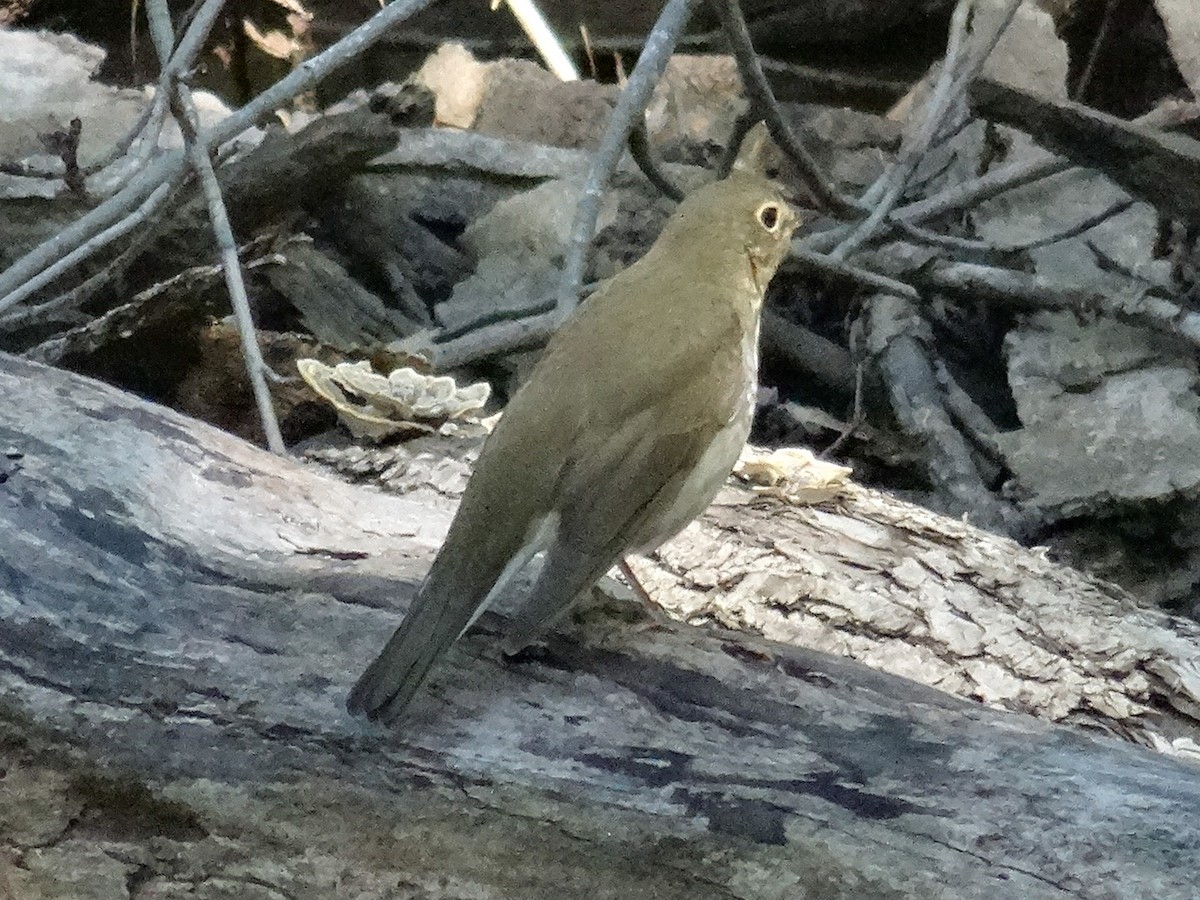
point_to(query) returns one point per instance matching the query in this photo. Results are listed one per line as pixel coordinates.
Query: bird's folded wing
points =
(613, 495)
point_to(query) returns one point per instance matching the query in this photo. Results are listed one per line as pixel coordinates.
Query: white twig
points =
(542, 36)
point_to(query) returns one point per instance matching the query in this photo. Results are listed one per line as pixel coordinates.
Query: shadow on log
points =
(182, 617)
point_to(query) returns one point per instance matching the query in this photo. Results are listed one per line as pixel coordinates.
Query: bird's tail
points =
(390, 682)
(454, 594)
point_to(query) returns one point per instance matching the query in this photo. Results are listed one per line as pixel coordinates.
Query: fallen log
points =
(182, 617)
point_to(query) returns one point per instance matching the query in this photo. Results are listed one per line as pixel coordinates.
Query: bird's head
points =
(742, 224)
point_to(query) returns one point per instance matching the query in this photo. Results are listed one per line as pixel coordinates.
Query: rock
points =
(46, 81)
(1030, 55)
(853, 146)
(569, 114)
(1183, 37)
(1106, 415)
(519, 244)
(536, 222)
(695, 105)
(496, 98)
(499, 284)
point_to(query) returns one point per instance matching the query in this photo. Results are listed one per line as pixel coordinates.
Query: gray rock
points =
(1107, 415)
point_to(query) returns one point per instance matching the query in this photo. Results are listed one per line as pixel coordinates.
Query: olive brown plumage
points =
(623, 433)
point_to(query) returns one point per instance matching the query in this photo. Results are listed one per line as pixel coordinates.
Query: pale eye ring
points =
(769, 216)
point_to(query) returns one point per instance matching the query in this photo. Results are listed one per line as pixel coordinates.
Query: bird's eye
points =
(768, 215)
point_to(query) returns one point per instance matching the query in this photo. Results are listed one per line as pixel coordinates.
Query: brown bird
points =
(623, 433)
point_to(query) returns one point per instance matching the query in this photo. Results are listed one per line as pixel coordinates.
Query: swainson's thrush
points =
(623, 433)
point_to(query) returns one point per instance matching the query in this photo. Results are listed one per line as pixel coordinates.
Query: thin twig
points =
(1085, 77)
(114, 232)
(1006, 178)
(86, 334)
(857, 416)
(256, 367)
(79, 295)
(993, 184)
(95, 230)
(975, 245)
(130, 207)
(201, 18)
(150, 119)
(169, 166)
(631, 104)
(883, 195)
(985, 48)
(762, 100)
(1169, 115)
(587, 49)
(1020, 290)
(639, 149)
(149, 122)
(957, 197)
(839, 269)
(184, 110)
(952, 85)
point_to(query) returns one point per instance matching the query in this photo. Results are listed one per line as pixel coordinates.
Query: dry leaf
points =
(792, 474)
(273, 43)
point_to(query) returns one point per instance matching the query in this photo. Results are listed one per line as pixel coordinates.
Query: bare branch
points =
(952, 82)
(762, 101)
(900, 344)
(1160, 168)
(184, 110)
(839, 270)
(91, 245)
(639, 149)
(1138, 306)
(168, 167)
(503, 336)
(473, 155)
(631, 104)
(977, 246)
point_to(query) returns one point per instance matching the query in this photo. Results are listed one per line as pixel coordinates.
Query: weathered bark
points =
(182, 615)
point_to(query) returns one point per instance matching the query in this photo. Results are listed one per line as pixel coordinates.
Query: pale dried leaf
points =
(273, 43)
(792, 474)
(458, 81)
